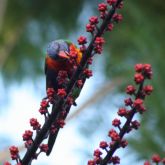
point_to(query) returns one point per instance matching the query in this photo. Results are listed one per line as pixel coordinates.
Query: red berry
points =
(156, 158)
(147, 67)
(147, 163)
(130, 89)
(115, 160)
(82, 40)
(27, 135)
(138, 67)
(28, 143)
(147, 71)
(123, 143)
(138, 103)
(103, 144)
(14, 152)
(102, 7)
(148, 89)
(44, 104)
(50, 92)
(110, 27)
(6, 163)
(88, 73)
(93, 20)
(97, 153)
(91, 162)
(163, 160)
(35, 124)
(99, 41)
(116, 122)
(128, 102)
(44, 147)
(117, 17)
(114, 135)
(139, 78)
(111, 2)
(122, 112)
(135, 124)
(61, 92)
(90, 28)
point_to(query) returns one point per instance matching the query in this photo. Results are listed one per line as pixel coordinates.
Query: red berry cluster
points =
(98, 45)
(61, 99)
(14, 152)
(133, 106)
(94, 20)
(156, 159)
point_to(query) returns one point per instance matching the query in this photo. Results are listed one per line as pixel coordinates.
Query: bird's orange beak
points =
(63, 54)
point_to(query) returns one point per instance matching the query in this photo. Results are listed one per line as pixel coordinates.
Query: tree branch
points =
(61, 102)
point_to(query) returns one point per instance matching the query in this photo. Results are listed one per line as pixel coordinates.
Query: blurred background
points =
(26, 27)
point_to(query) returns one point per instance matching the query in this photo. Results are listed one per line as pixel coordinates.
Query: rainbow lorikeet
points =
(57, 59)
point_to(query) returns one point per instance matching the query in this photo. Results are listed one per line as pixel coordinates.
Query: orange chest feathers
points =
(57, 66)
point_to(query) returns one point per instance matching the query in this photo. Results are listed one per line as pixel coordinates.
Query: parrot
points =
(57, 59)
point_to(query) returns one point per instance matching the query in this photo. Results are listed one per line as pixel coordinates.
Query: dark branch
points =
(61, 102)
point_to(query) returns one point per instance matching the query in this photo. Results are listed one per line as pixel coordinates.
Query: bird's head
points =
(58, 50)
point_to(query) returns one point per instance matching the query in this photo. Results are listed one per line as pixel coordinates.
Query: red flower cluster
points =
(14, 152)
(44, 104)
(116, 122)
(61, 92)
(144, 69)
(90, 28)
(155, 159)
(50, 92)
(94, 20)
(102, 7)
(87, 73)
(117, 17)
(44, 107)
(111, 2)
(44, 148)
(130, 89)
(135, 124)
(135, 106)
(60, 123)
(6, 163)
(110, 27)
(27, 135)
(98, 44)
(114, 135)
(122, 112)
(103, 144)
(35, 124)
(114, 160)
(82, 40)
